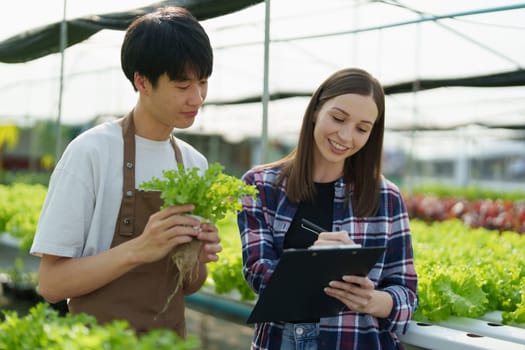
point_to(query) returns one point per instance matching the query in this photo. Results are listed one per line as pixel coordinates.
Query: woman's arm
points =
(399, 277)
(257, 236)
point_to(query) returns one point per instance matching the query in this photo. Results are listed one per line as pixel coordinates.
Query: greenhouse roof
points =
(443, 63)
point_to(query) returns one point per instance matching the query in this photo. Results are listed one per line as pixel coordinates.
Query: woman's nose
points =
(345, 133)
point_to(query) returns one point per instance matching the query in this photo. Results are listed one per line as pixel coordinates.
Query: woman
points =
(334, 179)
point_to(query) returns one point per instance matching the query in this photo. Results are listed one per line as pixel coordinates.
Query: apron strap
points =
(178, 153)
(126, 222)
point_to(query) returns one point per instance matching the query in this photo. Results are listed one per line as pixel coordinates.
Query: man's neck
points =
(148, 127)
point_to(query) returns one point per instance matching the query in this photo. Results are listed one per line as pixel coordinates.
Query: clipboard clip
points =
(310, 226)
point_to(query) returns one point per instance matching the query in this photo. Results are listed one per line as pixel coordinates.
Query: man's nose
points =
(196, 95)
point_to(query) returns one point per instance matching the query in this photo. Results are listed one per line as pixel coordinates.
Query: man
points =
(105, 245)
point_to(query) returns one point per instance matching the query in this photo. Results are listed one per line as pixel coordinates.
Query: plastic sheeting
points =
(44, 40)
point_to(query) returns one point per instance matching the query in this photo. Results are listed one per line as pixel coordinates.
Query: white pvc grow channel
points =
(464, 334)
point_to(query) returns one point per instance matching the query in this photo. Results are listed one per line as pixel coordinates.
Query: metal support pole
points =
(63, 44)
(266, 95)
(411, 174)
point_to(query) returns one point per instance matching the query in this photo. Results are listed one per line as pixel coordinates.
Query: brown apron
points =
(140, 295)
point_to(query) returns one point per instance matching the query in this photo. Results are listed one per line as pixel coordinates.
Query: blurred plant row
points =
(21, 204)
(494, 214)
(20, 209)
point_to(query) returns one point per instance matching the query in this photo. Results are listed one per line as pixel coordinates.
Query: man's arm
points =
(64, 277)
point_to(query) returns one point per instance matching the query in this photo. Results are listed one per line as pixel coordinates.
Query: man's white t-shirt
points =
(85, 191)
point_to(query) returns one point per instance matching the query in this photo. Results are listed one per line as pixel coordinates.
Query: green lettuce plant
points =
(214, 194)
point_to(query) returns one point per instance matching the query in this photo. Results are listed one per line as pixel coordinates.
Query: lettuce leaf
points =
(213, 193)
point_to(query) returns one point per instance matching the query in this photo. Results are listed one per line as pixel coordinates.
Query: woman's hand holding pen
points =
(324, 237)
(333, 238)
(359, 295)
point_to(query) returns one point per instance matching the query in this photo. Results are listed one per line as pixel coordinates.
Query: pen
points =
(310, 226)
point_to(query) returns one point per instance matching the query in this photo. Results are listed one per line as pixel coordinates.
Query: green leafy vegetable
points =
(468, 272)
(43, 329)
(213, 193)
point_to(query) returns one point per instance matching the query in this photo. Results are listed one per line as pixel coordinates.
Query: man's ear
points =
(141, 83)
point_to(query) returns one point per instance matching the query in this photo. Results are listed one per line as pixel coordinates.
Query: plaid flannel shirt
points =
(263, 223)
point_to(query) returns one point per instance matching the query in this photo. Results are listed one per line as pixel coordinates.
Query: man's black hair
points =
(169, 40)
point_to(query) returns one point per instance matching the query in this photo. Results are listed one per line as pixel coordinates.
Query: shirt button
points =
(299, 331)
(129, 165)
(129, 193)
(127, 221)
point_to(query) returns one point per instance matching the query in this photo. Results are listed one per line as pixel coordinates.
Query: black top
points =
(320, 212)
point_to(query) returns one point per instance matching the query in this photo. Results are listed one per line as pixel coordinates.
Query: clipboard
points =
(295, 289)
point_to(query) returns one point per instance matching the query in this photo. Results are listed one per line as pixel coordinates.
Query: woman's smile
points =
(339, 147)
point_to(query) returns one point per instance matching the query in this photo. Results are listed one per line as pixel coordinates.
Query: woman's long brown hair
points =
(362, 171)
